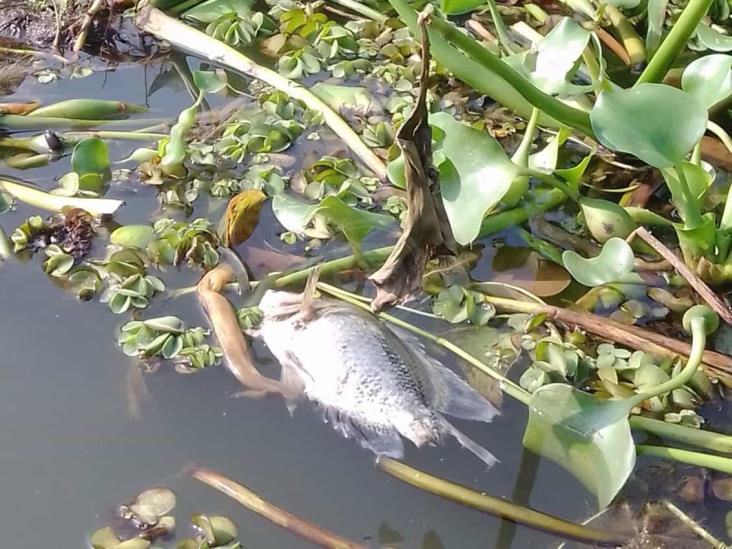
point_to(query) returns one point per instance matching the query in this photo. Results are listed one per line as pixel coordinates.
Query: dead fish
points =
(373, 385)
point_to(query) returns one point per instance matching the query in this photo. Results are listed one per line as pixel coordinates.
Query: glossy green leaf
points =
(657, 123)
(614, 264)
(354, 223)
(90, 156)
(656, 16)
(457, 7)
(709, 78)
(606, 219)
(133, 236)
(557, 55)
(712, 39)
(209, 81)
(293, 214)
(474, 175)
(589, 438)
(211, 10)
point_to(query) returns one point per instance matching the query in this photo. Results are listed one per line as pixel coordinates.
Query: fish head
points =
(276, 305)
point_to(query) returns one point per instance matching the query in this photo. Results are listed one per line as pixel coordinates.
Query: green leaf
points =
(209, 81)
(606, 219)
(354, 223)
(712, 39)
(709, 78)
(614, 264)
(589, 438)
(211, 10)
(557, 55)
(457, 7)
(133, 236)
(293, 214)
(474, 175)
(91, 156)
(350, 98)
(655, 122)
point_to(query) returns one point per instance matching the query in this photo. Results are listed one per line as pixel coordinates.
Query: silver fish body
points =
(372, 384)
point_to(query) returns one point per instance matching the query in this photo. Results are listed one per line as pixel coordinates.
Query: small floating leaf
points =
(614, 264)
(224, 530)
(133, 236)
(152, 504)
(104, 538)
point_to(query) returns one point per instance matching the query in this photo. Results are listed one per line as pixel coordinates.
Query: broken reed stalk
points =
(188, 39)
(704, 291)
(86, 24)
(497, 506)
(717, 364)
(694, 526)
(298, 526)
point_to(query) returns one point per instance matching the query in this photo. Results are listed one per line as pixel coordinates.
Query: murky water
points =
(70, 452)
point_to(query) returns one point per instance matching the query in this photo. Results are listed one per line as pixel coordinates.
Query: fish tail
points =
(466, 442)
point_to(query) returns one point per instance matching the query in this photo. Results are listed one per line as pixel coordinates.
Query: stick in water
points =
(499, 507)
(300, 527)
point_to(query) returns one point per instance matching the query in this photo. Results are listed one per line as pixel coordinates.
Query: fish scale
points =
(372, 385)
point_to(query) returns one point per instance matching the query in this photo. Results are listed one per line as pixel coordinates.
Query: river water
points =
(70, 451)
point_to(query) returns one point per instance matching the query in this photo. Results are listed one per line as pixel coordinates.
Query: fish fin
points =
(468, 443)
(381, 441)
(452, 395)
(291, 379)
(307, 306)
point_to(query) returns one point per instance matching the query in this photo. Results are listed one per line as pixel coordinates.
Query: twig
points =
(34, 53)
(497, 506)
(706, 293)
(298, 526)
(694, 526)
(198, 43)
(631, 336)
(86, 24)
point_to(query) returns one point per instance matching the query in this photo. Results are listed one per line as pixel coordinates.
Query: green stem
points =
(116, 135)
(641, 216)
(571, 192)
(675, 41)
(5, 251)
(485, 71)
(545, 201)
(55, 202)
(718, 463)
(508, 386)
(20, 122)
(684, 201)
(498, 506)
(698, 341)
(632, 42)
(362, 9)
(696, 156)
(699, 438)
(503, 37)
(521, 156)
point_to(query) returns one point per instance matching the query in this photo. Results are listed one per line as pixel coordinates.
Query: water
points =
(70, 452)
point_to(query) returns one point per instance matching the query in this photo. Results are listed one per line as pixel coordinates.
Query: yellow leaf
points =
(242, 216)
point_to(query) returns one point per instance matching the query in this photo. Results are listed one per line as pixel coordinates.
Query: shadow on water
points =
(70, 452)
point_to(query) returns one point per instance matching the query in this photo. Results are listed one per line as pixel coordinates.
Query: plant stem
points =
(687, 204)
(718, 463)
(508, 386)
(498, 506)
(111, 134)
(698, 341)
(362, 9)
(632, 43)
(5, 251)
(493, 77)
(503, 37)
(55, 203)
(694, 526)
(200, 44)
(20, 122)
(516, 216)
(282, 518)
(520, 185)
(554, 182)
(699, 438)
(675, 41)
(575, 118)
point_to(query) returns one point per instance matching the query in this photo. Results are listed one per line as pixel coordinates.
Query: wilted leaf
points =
(426, 230)
(589, 438)
(242, 217)
(540, 277)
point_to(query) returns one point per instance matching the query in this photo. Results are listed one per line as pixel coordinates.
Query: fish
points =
(373, 383)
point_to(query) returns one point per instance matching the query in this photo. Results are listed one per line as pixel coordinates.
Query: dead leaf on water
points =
(241, 217)
(529, 271)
